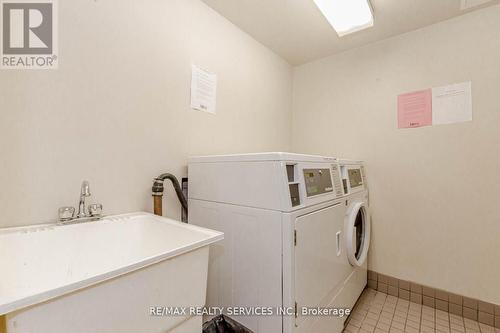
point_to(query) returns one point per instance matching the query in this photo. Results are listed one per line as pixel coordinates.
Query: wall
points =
(116, 112)
(434, 190)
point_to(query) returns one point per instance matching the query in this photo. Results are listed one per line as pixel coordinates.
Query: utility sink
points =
(103, 276)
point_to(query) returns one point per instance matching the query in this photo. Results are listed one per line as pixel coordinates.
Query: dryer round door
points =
(357, 233)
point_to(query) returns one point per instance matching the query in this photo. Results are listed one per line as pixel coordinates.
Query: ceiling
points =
(298, 32)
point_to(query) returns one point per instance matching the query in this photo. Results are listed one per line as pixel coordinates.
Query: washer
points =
(357, 225)
(283, 216)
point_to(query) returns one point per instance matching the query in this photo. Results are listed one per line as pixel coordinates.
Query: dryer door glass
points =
(358, 234)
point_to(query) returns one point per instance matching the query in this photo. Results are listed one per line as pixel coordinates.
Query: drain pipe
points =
(158, 189)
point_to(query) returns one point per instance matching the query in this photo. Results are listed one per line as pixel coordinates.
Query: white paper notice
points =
(203, 90)
(452, 104)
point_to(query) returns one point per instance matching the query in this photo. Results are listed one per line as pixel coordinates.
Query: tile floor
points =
(377, 312)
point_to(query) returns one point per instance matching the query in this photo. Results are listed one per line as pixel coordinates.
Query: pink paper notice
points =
(415, 109)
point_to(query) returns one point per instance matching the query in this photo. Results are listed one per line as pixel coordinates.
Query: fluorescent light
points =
(347, 16)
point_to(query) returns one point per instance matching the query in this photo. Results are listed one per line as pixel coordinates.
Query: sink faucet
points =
(91, 213)
(84, 193)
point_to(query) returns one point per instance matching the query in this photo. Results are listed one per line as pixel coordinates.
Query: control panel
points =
(293, 184)
(317, 181)
(337, 183)
(355, 178)
(310, 183)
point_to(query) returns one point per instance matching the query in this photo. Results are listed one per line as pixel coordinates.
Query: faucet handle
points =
(66, 213)
(95, 210)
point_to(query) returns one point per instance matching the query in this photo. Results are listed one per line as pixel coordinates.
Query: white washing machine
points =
(285, 246)
(357, 226)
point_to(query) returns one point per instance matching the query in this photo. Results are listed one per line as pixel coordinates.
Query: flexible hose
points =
(158, 190)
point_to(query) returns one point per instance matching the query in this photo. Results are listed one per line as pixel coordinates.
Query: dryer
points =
(283, 216)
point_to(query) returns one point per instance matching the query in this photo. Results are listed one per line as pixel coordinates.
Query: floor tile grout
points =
(383, 313)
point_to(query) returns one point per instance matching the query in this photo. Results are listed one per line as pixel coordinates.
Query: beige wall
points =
(117, 113)
(117, 110)
(434, 190)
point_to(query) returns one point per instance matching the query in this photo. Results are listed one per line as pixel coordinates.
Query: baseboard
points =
(484, 312)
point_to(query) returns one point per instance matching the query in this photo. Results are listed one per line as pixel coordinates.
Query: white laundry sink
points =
(103, 276)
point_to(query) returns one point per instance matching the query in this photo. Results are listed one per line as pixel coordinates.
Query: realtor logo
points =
(29, 34)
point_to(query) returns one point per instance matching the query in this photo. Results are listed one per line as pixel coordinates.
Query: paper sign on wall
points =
(441, 105)
(203, 90)
(415, 109)
(452, 104)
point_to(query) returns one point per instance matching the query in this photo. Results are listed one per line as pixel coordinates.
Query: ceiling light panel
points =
(347, 16)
